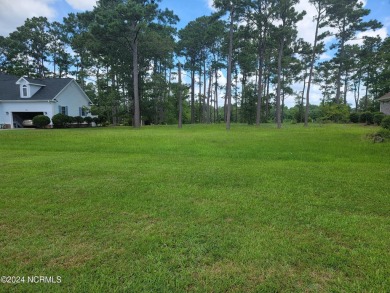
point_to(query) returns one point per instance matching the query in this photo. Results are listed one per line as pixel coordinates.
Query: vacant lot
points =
(198, 209)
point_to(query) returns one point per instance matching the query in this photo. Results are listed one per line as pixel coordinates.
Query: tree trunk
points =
(192, 96)
(216, 94)
(180, 123)
(278, 110)
(338, 81)
(259, 86)
(200, 95)
(137, 112)
(229, 71)
(209, 96)
(345, 88)
(313, 56)
(301, 115)
(204, 113)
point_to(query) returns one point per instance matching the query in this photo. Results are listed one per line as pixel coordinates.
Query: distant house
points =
(385, 104)
(22, 98)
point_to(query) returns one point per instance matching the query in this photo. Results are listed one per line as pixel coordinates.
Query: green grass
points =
(197, 209)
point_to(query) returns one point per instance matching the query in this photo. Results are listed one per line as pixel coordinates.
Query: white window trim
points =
(25, 86)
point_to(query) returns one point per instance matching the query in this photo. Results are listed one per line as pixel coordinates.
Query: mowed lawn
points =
(198, 209)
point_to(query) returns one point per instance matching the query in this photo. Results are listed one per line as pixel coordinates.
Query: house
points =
(22, 98)
(385, 104)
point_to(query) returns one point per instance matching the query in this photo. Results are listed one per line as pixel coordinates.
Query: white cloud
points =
(210, 5)
(306, 27)
(325, 56)
(14, 13)
(359, 39)
(82, 4)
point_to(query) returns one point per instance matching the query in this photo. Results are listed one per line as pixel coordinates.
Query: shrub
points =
(335, 113)
(378, 117)
(386, 122)
(78, 120)
(41, 121)
(354, 117)
(70, 120)
(367, 117)
(88, 120)
(96, 120)
(384, 133)
(380, 136)
(60, 120)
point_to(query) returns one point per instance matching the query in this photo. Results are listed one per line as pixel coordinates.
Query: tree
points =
(123, 22)
(346, 16)
(26, 49)
(235, 9)
(190, 46)
(259, 17)
(136, 35)
(285, 34)
(321, 21)
(382, 82)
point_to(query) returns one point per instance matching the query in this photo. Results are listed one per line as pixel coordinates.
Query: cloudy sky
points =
(14, 13)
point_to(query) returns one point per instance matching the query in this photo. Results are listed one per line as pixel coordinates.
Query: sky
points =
(14, 13)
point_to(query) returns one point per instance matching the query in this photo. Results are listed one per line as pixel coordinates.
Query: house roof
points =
(10, 91)
(385, 97)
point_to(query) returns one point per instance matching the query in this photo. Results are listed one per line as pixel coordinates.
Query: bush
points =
(71, 119)
(384, 133)
(96, 120)
(378, 117)
(101, 120)
(88, 120)
(41, 121)
(367, 117)
(386, 122)
(78, 120)
(380, 136)
(354, 117)
(60, 120)
(335, 113)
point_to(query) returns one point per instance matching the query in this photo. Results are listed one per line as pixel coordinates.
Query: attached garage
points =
(18, 118)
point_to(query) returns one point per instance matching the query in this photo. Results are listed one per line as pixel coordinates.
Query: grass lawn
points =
(197, 209)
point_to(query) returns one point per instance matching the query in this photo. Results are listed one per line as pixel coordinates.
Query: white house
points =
(23, 98)
(385, 104)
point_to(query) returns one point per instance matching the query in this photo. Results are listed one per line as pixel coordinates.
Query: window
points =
(83, 111)
(63, 110)
(24, 91)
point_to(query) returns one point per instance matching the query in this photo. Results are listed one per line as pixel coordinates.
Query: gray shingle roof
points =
(9, 90)
(385, 97)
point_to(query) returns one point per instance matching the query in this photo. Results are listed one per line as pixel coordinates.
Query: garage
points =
(19, 117)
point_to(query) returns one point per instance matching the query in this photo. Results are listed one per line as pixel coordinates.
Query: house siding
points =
(73, 98)
(385, 107)
(12, 107)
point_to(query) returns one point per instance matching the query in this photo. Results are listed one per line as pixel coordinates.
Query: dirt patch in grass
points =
(78, 255)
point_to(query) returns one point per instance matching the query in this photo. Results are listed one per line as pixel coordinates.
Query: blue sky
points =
(14, 12)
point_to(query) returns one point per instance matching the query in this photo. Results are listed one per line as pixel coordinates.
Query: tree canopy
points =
(125, 55)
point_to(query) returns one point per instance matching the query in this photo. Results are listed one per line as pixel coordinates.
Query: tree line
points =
(127, 56)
